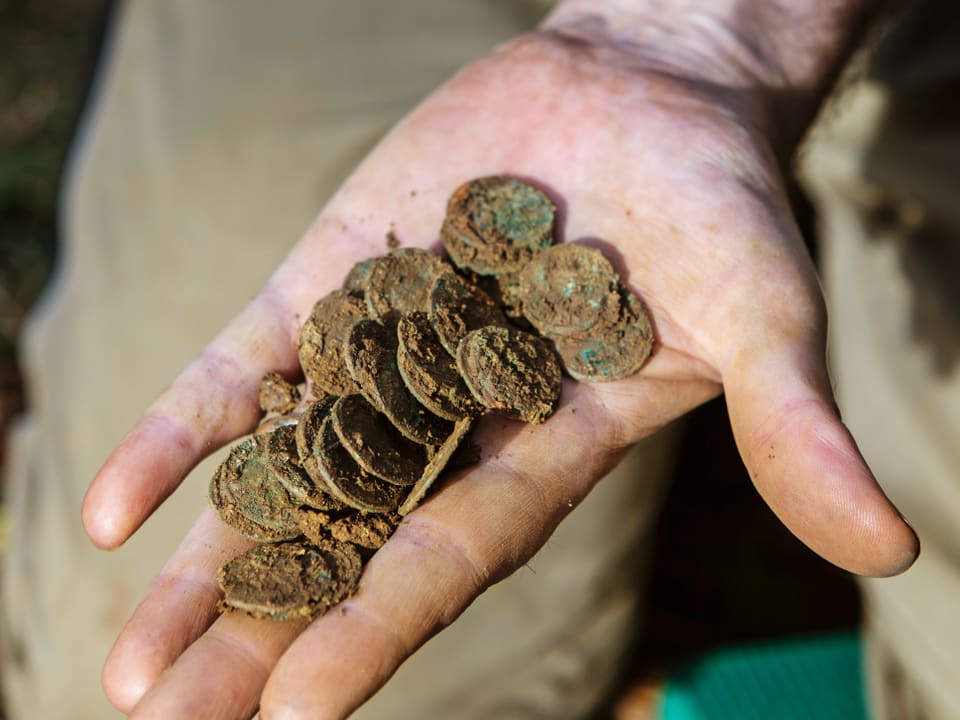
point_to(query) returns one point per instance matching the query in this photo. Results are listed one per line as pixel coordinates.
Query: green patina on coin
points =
(429, 371)
(568, 288)
(436, 465)
(613, 351)
(496, 224)
(511, 371)
(290, 581)
(322, 341)
(356, 280)
(372, 359)
(375, 444)
(246, 493)
(457, 307)
(277, 395)
(400, 281)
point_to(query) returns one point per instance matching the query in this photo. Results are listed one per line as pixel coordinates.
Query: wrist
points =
(775, 59)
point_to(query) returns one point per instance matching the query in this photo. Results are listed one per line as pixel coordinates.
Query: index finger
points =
(212, 402)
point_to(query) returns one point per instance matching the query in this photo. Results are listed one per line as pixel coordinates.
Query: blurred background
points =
(727, 574)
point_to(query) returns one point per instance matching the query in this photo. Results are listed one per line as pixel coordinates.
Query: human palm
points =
(675, 182)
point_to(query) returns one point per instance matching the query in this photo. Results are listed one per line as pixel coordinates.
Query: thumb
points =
(805, 463)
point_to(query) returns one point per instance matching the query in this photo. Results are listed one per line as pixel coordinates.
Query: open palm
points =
(677, 185)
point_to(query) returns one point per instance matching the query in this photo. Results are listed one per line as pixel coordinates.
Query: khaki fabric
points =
(215, 133)
(882, 168)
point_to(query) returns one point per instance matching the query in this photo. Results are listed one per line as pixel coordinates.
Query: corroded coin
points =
(613, 351)
(496, 224)
(277, 395)
(347, 481)
(511, 371)
(313, 490)
(356, 280)
(436, 465)
(372, 359)
(429, 371)
(248, 495)
(289, 581)
(322, 340)
(400, 281)
(457, 307)
(374, 443)
(567, 289)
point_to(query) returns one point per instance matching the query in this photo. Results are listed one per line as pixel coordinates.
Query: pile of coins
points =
(399, 363)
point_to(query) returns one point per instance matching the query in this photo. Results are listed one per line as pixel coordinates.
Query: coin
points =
(356, 280)
(612, 351)
(400, 281)
(248, 495)
(277, 395)
(372, 359)
(457, 307)
(496, 224)
(567, 288)
(374, 443)
(511, 371)
(289, 581)
(346, 480)
(322, 339)
(429, 371)
(436, 465)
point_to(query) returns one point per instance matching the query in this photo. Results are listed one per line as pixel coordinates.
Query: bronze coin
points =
(372, 358)
(496, 224)
(277, 395)
(346, 480)
(511, 371)
(436, 465)
(612, 351)
(374, 443)
(400, 281)
(322, 341)
(567, 288)
(456, 308)
(289, 581)
(284, 461)
(247, 493)
(356, 280)
(429, 371)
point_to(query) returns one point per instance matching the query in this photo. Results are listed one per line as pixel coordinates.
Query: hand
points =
(674, 174)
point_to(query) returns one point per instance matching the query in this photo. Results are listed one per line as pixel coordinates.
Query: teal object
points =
(818, 677)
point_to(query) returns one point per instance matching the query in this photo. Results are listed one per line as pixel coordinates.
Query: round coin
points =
(372, 358)
(511, 371)
(322, 340)
(496, 224)
(348, 481)
(429, 371)
(457, 307)
(374, 443)
(566, 289)
(613, 351)
(356, 280)
(248, 495)
(400, 281)
(289, 581)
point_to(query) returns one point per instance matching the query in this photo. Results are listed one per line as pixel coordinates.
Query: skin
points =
(675, 169)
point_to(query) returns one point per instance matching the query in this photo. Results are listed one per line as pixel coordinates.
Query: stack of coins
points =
(399, 363)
